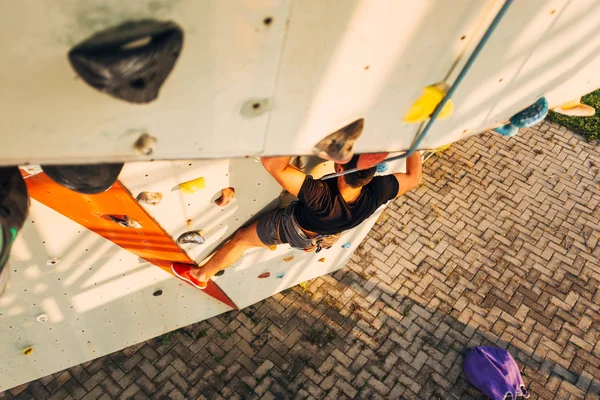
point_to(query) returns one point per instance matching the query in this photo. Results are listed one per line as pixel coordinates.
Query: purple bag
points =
(495, 373)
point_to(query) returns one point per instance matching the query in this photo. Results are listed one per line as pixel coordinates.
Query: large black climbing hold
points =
(130, 61)
(86, 179)
(339, 146)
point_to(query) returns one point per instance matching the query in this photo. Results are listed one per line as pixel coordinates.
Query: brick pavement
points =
(498, 247)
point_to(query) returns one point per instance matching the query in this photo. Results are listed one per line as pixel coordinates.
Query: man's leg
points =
(226, 256)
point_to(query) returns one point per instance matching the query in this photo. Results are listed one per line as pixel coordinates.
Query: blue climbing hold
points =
(381, 168)
(527, 118)
(280, 275)
(532, 115)
(346, 245)
(507, 130)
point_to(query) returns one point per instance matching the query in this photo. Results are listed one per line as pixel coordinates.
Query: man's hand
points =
(288, 176)
(413, 176)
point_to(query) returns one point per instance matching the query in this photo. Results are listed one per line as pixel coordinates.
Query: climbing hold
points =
(339, 145)
(123, 220)
(527, 118)
(264, 275)
(255, 107)
(192, 186)
(157, 293)
(346, 245)
(219, 273)
(189, 222)
(273, 247)
(322, 259)
(366, 161)
(191, 237)
(53, 261)
(575, 108)
(86, 179)
(226, 196)
(288, 258)
(381, 168)
(41, 318)
(27, 351)
(150, 198)
(280, 275)
(422, 109)
(130, 61)
(145, 144)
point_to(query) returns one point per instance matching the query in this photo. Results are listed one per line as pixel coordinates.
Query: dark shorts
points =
(269, 228)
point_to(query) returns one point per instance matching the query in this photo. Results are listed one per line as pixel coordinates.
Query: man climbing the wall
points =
(325, 209)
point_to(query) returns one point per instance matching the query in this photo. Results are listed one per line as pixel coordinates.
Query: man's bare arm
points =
(413, 176)
(288, 176)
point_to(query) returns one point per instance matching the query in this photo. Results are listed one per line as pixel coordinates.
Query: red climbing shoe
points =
(182, 271)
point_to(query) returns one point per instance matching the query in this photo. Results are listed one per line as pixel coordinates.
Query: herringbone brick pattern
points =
(498, 247)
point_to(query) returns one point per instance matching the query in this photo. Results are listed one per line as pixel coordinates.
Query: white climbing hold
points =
(150, 198)
(42, 318)
(53, 261)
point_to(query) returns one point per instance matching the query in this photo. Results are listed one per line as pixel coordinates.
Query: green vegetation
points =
(586, 126)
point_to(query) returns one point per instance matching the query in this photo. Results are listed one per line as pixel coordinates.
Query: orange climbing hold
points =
(322, 259)
(288, 258)
(227, 195)
(369, 160)
(192, 186)
(273, 247)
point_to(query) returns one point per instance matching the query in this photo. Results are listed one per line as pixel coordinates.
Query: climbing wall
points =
(74, 296)
(264, 77)
(275, 76)
(82, 286)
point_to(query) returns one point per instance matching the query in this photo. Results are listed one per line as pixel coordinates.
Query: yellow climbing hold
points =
(192, 186)
(273, 247)
(322, 259)
(442, 148)
(422, 109)
(27, 351)
(288, 258)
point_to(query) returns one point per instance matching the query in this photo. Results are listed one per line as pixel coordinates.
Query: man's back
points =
(323, 210)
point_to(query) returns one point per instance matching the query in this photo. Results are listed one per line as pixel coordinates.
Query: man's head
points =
(356, 179)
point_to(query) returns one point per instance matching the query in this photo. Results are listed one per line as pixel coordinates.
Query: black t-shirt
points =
(322, 209)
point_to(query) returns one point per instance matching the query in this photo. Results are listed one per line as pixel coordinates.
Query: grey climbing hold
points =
(150, 198)
(339, 146)
(219, 273)
(145, 144)
(130, 61)
(157, 293)
(125, 221)
(191, 237)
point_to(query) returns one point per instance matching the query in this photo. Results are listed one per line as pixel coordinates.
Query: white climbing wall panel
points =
(275, 76)
(229, 62)
(541, 47)
(98, 298)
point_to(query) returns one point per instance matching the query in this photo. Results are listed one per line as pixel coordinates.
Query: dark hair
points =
(359, 178)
